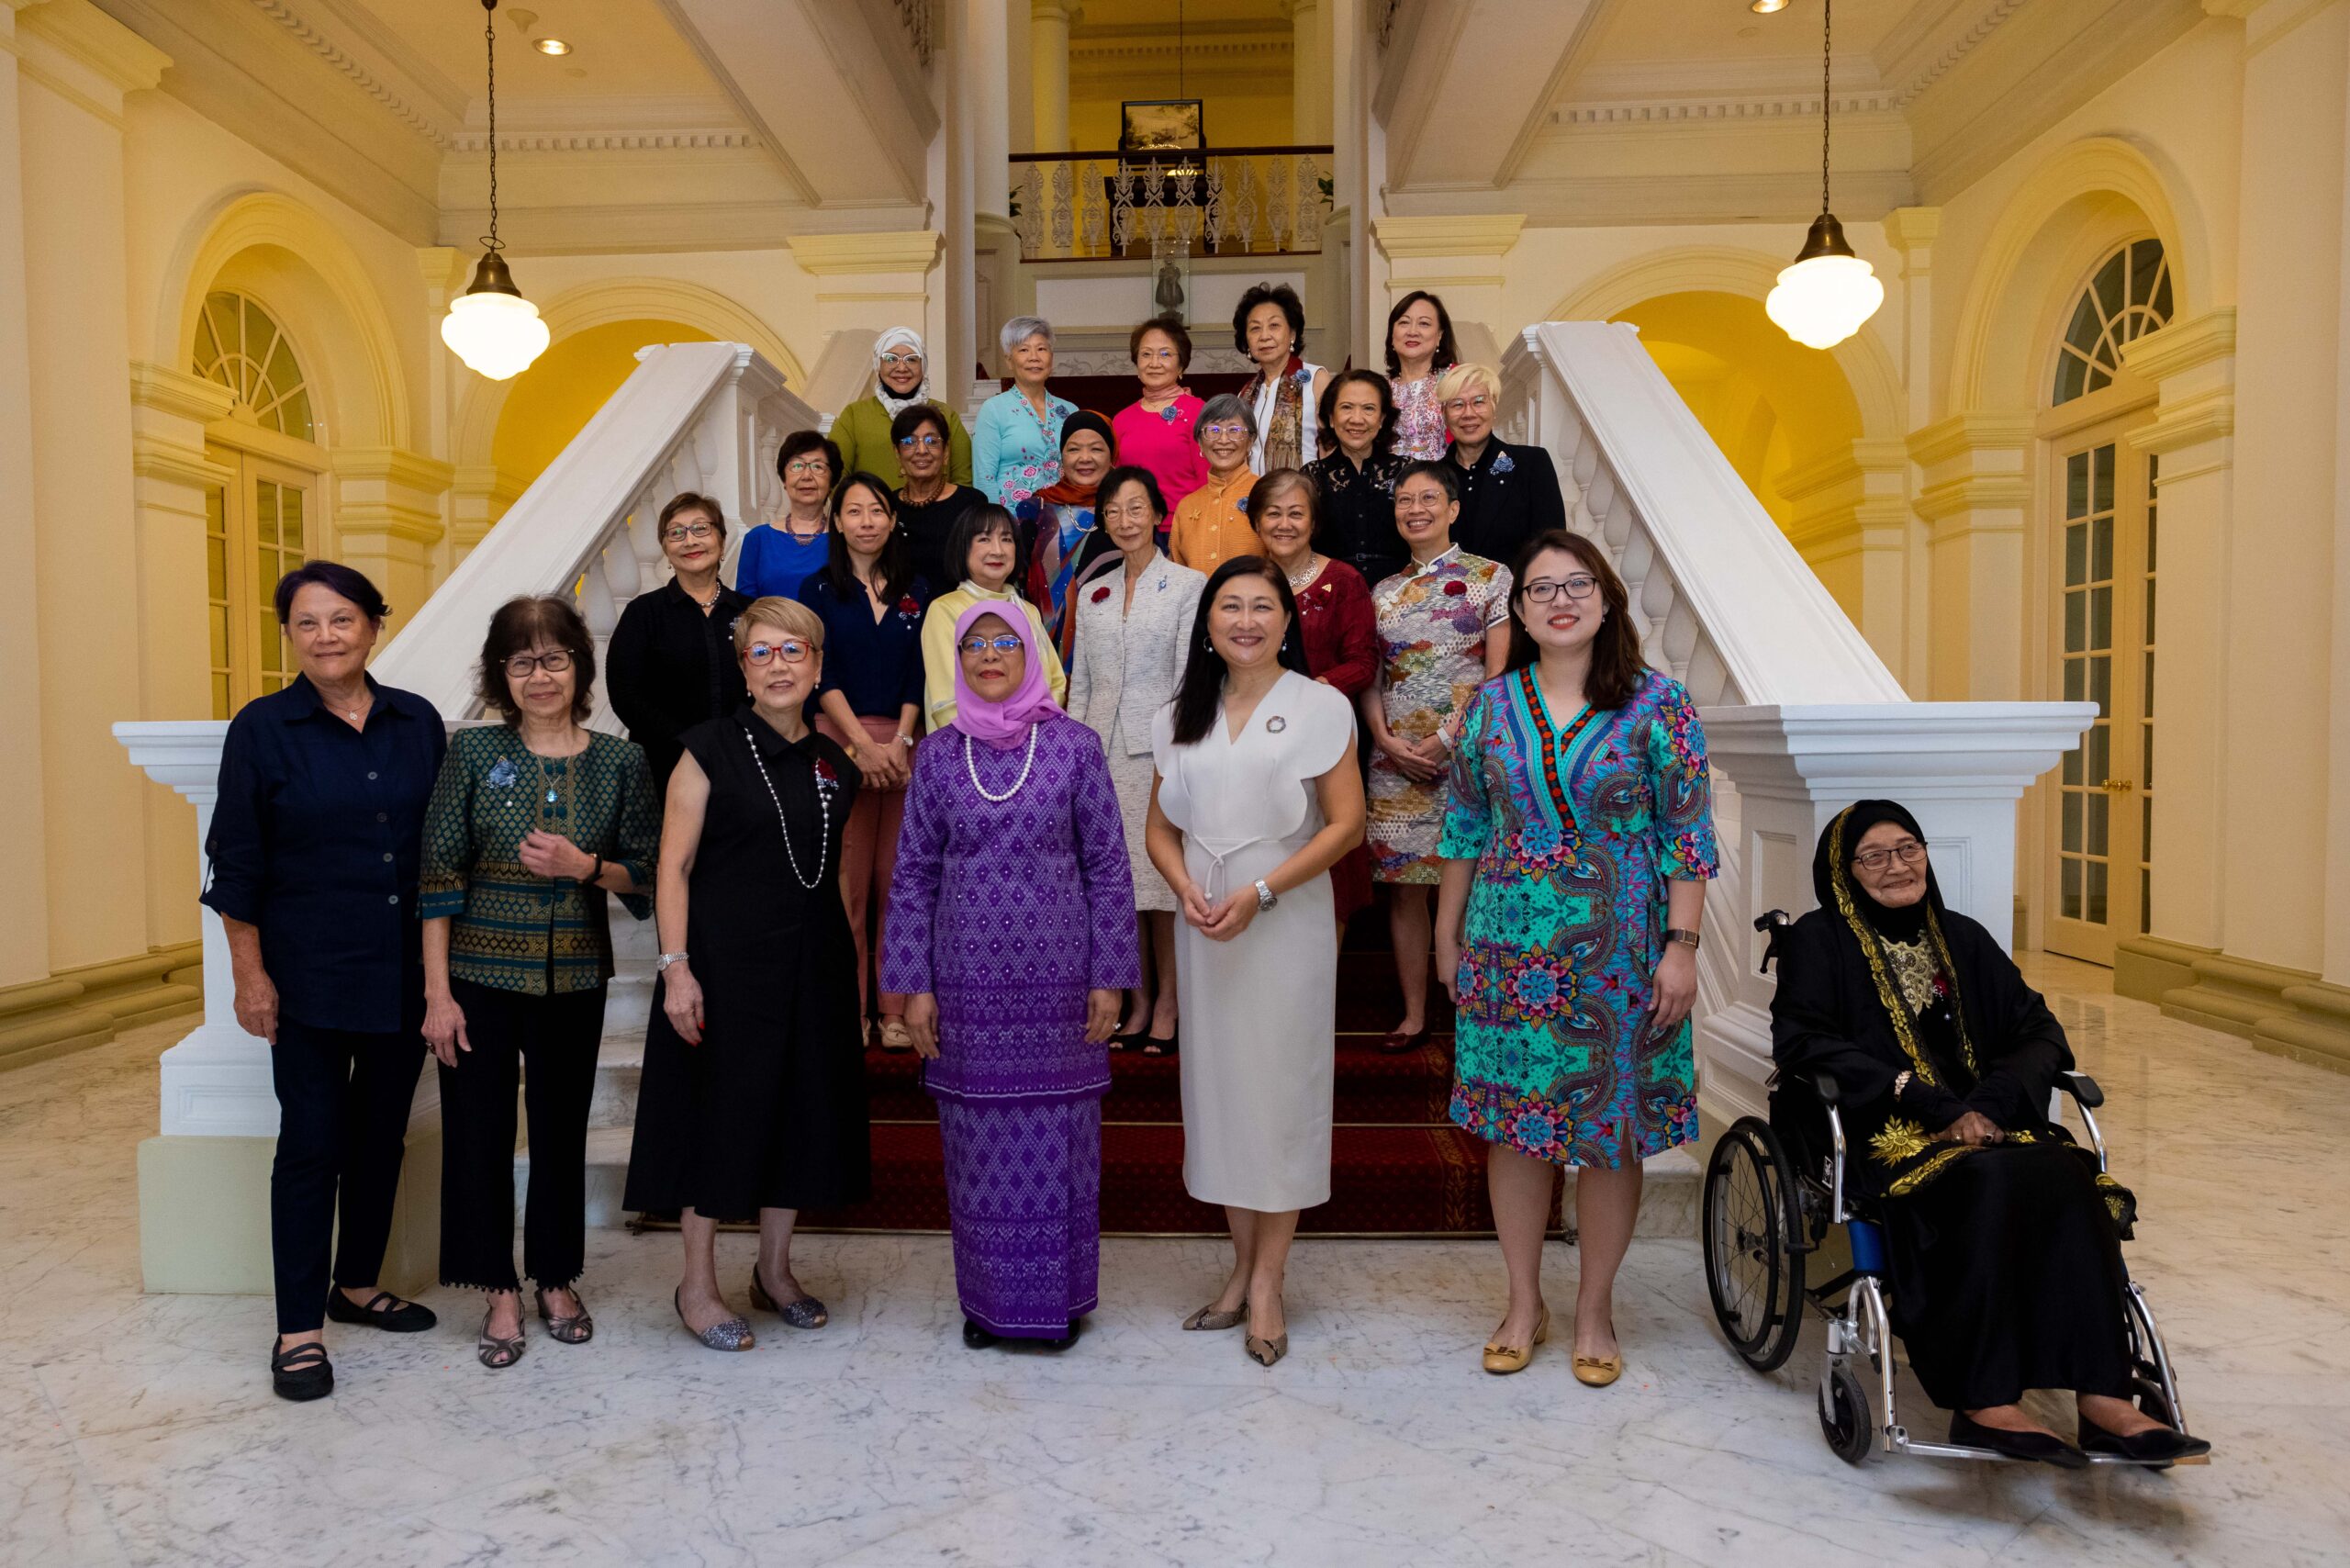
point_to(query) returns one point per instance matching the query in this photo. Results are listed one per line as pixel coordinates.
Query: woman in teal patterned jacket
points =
(531, 823)
(1577, 841)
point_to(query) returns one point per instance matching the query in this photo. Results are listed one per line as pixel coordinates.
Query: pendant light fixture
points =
(491, 326)
(1824, 297)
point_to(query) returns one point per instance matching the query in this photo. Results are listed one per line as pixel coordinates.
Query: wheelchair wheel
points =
(1844, 1417)
(1752, 1230)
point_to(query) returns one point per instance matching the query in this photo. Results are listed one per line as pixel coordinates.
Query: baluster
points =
(596, 606)
(1219, 215)
(1244, 206)
(1708, 679)
(1276, 201)
(1031, 221)
(623, 567)
(1064, 213)
(1680, 633)
(1095, 221)
(1154, 186)
(1309, 204)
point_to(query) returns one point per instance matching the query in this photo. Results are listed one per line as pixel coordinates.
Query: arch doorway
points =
(2104, 534)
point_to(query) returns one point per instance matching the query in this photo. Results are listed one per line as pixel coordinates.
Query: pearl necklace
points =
(972, 769)
(824, 818)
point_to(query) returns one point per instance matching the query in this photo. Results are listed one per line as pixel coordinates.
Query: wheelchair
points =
(1773, 1191)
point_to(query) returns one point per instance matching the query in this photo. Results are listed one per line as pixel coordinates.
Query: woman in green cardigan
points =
(900, 379)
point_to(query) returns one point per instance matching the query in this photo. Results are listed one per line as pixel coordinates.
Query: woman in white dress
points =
(1132, 627)
(1257, 797)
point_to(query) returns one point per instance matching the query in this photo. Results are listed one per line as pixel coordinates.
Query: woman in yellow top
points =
(986, 548)
(1211, 523)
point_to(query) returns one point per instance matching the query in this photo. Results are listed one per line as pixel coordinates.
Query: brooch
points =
(1102, 593)
(909, 606)
(1276, 725)
(1456, 587)
(503, 774)
(1502, 464)
(1171, 413)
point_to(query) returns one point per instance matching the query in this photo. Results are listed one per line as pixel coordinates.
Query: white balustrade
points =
(1801, 716)
(709, 416)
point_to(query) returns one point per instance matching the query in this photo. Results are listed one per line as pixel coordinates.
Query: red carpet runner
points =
(1399, 1168)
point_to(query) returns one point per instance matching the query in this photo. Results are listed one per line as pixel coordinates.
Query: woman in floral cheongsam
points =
(1577, 845)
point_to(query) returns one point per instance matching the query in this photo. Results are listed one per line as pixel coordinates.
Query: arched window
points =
(2128, 296)
(240, 346)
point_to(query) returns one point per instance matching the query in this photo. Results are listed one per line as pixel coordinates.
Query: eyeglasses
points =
(807, 466)
(896, 361)
(981, 645)
(790, 651)
(1136, 511)
(520, 666)
(927, 441)
(1908, 852)
(1542, 590)
(1477, 404)
(678, 533)
(1224, 430)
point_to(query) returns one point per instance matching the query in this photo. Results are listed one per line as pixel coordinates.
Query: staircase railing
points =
(1801, 715)
(706, 417)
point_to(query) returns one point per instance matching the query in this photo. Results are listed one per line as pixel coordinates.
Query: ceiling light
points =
(1826, 295)
(491, 326)
(551, 46)
(1764, 8)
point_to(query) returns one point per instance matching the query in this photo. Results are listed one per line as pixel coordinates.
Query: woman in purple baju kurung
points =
(1012, 934)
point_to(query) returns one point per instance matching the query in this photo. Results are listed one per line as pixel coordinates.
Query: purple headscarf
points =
(1001, 724)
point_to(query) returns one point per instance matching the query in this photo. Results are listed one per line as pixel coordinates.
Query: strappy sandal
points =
(300, 1373)
(1152, 1046)
(498, 1354)
(805, 1313)
(576, 1329)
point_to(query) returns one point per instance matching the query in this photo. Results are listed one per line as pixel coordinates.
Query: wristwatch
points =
(1266, 897)
(665, 959)
(1686, 938)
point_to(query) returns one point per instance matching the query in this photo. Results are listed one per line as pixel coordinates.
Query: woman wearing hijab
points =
(2004, 1238)
(1069, 547)
(1012, 935)
(901, 381)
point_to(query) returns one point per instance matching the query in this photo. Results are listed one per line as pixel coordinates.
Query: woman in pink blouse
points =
(1155, 430)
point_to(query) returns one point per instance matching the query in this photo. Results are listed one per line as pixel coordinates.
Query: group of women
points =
(1071, 764)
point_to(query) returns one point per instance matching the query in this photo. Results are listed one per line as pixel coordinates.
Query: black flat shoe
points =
(1075, 1332)
(2038, 1446)
(383, 1310)
(301, 1372)
(977, 1337)
(2156, 1445)
(1397, 1042)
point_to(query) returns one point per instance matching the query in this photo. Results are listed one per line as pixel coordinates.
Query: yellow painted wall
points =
(552, 400)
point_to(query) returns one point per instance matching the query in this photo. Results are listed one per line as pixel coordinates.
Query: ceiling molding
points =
(720, 138)
(1682, 109)
(1951, 52)
(99, 43)
(366, 81)
(1613, 200)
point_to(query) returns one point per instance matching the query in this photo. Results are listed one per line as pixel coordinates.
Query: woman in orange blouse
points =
(1212, 524)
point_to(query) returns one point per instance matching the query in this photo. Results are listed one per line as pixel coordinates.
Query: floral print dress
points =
(1420, 435)
(1577, 823)
(1433, 621)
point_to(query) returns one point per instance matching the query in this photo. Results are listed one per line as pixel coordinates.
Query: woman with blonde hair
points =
(753, 1098)
(1510, 494)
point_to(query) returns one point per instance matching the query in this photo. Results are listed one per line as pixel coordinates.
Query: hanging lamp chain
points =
(489, 38)
(1827, 33)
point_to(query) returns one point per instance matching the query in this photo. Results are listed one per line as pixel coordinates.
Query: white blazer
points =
(1128, 662)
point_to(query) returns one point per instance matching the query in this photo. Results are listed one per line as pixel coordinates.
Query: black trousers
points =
(549, 1042)
(342, 1108)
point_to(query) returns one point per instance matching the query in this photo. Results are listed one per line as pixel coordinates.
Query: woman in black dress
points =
(753, 1096)
(1510, 494)
(2004, 1237)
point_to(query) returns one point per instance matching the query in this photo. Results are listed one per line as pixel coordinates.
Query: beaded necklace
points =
(972, 768)
(824, 819)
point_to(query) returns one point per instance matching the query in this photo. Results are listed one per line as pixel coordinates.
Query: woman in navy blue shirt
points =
(315, 849)
(868, 701)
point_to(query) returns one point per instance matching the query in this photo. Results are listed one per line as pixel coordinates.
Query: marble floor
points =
(139, 1430)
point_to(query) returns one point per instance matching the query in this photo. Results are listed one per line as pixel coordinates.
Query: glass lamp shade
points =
(1823, 300)
(496, 334)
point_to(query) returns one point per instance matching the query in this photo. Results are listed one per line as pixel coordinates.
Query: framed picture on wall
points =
(1160, 125)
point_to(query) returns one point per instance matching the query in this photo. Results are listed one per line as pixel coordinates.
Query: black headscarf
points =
(1831, 865)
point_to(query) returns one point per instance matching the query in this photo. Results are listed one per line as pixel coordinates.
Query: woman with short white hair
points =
(1016, 441)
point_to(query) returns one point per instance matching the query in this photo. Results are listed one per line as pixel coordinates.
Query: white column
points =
(1911, 231)
(1048, 24)
(985, 62)
(1309, 72)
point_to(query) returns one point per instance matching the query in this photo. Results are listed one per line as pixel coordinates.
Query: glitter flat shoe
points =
(731, 1334)
(805, 1313)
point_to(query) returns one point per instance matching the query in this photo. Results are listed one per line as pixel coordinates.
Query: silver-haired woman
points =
(1016, 440)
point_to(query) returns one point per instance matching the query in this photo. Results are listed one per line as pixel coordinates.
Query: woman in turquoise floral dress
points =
(1577, 841)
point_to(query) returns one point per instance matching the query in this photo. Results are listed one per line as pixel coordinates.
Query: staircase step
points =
(1384, 1180)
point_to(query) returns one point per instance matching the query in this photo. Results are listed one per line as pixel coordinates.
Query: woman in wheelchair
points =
(2003, 1238)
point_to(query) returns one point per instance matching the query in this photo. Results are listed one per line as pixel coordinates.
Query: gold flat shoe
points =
(1598, 1371)
(1210, 1318)
(1502, 1359)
